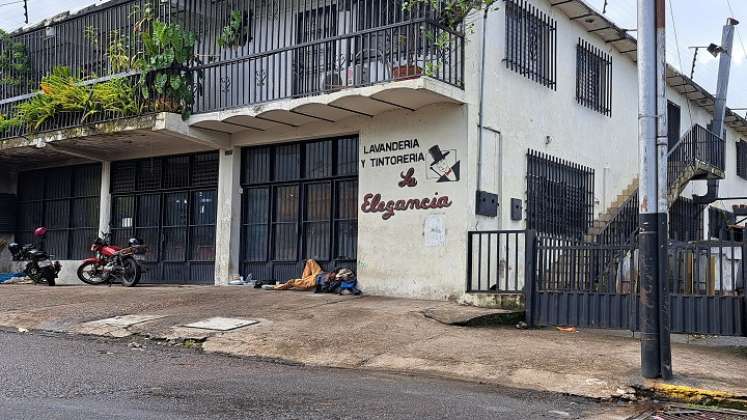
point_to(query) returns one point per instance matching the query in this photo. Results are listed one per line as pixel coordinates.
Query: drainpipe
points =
(719, 108)
(648, 196)
(662, 205)
(482, 99)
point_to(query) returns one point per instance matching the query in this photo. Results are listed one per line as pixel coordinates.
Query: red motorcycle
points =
(113, 264)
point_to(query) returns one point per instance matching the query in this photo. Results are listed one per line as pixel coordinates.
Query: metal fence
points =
(591, 285)
(497, 260)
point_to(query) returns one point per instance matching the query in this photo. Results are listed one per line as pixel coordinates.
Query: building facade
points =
(353, 132)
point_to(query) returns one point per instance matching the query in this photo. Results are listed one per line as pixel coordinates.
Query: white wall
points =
(416, 252)
(531, 116)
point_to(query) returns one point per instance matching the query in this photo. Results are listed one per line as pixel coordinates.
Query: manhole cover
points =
(222, 324)
(694, 414)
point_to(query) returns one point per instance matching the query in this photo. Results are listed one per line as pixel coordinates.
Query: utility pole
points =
(719, 108)
(662, 188)
(648, 80)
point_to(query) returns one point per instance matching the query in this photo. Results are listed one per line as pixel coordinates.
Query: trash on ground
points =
(567, 329)
(11, 278)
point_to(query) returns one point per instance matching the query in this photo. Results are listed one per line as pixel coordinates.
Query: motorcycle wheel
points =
(85, 274)
(50, 276)
(130, 272)
(35, 274)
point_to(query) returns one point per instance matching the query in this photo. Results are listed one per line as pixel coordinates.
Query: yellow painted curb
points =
(697, 396)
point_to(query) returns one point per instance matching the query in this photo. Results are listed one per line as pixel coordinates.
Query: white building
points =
(349, 131)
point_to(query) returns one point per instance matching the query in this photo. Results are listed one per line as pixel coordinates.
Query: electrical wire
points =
(679, 55)
(11, 3)
(739, 34)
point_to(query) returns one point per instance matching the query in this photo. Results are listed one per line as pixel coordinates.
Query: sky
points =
(695, 22)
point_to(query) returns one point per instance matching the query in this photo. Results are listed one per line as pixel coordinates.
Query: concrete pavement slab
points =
(221, 324)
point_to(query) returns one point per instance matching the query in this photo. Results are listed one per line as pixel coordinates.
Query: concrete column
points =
(105, 201)
(8, 185)
(228, 226)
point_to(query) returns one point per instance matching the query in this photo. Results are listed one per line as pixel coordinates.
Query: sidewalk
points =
(371, 333)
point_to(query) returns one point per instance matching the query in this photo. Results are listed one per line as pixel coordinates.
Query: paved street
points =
(61, 377)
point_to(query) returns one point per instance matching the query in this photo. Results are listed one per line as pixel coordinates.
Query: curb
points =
(694, 396)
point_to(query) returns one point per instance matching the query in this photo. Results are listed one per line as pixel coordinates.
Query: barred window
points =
(742, 159)
(560, 196)
(66, 201)
(593, 78)
(719, 222)
(531, 43)
(685, 220)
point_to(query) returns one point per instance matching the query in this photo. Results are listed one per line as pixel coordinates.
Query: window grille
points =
(531, 43)
(742, 159)
(593, 78)
(560, 196)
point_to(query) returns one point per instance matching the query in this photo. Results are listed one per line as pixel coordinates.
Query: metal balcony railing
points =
(276, 50)
(697, 146)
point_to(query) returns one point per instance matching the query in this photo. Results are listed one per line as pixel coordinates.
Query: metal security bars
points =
(560, 196)
(531, 43)
(280, 49)
(300, 202)
(171, 204)
(66, 201)
(593, 78)
(742, 159)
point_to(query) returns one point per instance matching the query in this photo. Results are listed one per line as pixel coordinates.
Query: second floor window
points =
(593, 78)
(531, 43)
(742, 159)
(560, 196)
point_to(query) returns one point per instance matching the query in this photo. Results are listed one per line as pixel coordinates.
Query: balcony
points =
(246, 54)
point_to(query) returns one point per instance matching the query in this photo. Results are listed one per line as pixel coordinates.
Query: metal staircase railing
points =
(699, 154)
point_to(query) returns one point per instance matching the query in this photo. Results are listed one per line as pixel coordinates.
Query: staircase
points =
(698, 155)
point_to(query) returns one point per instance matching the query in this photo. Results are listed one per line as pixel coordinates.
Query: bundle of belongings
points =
(341, 280)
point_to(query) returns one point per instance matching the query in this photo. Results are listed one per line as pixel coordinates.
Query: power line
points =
(12, 3)
(679, 55)
(739, 34)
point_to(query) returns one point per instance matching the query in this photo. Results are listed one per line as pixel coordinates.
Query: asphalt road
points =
(62, 377)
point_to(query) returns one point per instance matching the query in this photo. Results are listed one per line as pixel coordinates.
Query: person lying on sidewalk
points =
(313, 277)
(308, 278)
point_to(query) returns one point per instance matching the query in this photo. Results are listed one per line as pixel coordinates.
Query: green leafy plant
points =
(115, 96)
(15, 65)
(7, 123)
(236, 32)
(166, 80)
(63, 92)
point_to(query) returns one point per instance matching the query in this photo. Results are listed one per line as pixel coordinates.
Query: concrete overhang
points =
(128, 138)
(369, 101)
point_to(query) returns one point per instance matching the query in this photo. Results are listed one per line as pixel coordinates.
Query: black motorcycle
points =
(39, 267)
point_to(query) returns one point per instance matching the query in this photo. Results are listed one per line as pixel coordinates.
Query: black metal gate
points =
(300, 202)
(171, 204)
(589, 285)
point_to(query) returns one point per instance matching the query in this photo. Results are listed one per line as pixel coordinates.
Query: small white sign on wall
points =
(434, 231)
(127, 222)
